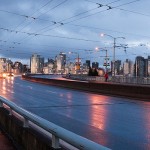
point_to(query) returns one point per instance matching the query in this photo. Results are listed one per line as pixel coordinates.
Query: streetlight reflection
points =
(99, 113)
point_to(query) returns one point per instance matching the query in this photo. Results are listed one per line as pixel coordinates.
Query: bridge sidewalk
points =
(5, 143)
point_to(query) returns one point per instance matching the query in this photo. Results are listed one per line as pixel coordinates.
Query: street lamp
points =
(114, 48)
(106, 57)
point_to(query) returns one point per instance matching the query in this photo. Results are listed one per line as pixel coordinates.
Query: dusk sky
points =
(48, 27)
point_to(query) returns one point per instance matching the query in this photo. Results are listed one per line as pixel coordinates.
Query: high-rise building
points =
(147, 67)
(17, 67)
(118, 68)
(36, 63)
(88, 63)
(128, 68)
(2, 65)
(139, 66)
(9, 66)
(95, 65)
(60, 62)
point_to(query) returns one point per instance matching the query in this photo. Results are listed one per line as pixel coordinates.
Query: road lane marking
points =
(30, 87)
(51, 92)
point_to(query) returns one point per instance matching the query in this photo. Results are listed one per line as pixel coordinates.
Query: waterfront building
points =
(17, 68)
(88, 62)
(49, 67)
(128, 68)
(118, 68)
(60, 62)
(9, 66)
(147, 67)
(36, 63)
(139, 66)
(2, 65)
(95, 65)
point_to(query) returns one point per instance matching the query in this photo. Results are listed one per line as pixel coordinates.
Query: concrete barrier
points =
(140, 92)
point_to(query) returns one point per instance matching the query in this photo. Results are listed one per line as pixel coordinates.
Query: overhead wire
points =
(56, 36)
(53, 22)
(60, 24)
(31, 16)
(61, 21)
(109, 8)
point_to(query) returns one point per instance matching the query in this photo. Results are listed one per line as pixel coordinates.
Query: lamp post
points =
(106, 57)
(114, 49)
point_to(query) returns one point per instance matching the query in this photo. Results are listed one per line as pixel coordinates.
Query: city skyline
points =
(40, 27)
(140, 67)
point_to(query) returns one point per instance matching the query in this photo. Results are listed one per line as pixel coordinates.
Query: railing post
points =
(25, 123)
(1, 104)
(10, 111)
(55, 142)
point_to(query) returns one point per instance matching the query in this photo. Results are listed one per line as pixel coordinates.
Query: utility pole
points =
(114, 50)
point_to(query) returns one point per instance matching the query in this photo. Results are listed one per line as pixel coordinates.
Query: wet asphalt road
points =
(117, 123)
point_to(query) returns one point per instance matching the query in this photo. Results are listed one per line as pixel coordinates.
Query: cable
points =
(69, 18)
(97, 28)
(32, 15)
(78, 15)
(37, 34)
(49, 11)
(109, 8)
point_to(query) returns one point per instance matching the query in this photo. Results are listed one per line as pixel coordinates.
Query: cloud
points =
(81, 20)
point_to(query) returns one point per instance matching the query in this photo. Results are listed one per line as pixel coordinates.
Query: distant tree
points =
(95, 73)
(92, 72)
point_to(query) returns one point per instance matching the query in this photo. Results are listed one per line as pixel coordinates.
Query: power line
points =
(60, 22)
(48, 35)
(49, 11)
(32, 15)
(97, 28)
(109, 8)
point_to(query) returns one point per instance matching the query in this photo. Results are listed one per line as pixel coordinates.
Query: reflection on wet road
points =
(117, 123)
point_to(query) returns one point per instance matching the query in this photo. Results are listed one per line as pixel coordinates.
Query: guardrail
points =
(56, 131)
(131, 80)
(86, 78)
(116, 79)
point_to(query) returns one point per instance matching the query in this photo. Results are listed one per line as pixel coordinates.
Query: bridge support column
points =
(55, 142)
(25, 123)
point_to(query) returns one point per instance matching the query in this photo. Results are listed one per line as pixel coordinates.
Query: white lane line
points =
(51, 92)
(30, 87)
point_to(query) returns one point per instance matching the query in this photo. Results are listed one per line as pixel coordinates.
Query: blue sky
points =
(48, 27)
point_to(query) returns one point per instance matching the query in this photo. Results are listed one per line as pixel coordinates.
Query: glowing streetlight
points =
(106, 63)
(114, 47)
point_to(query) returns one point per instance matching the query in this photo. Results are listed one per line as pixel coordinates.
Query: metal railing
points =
(87, 78)
(116, 79)
(56, 131)
(131, 80)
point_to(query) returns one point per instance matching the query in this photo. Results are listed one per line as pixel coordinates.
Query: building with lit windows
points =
(36, 64)
(128, 68)
(60, 62)
(2, 65)
(95, 65)
(139, 66)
